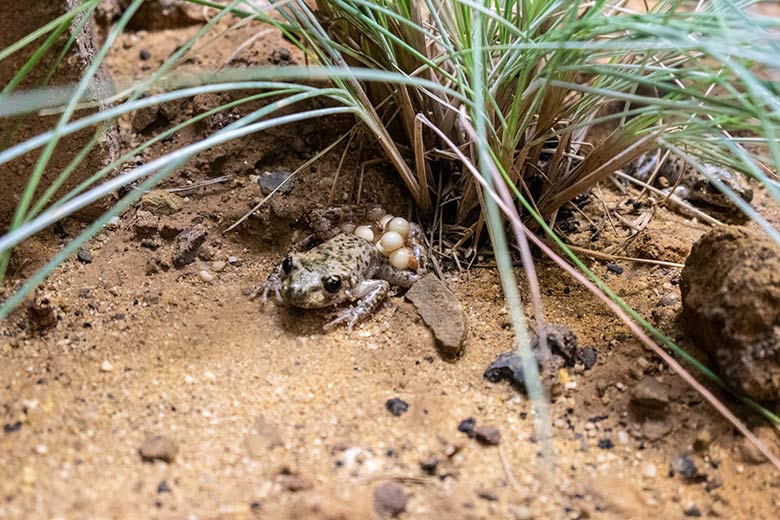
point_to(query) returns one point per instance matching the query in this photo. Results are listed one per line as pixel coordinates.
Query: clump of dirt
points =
(731, 302)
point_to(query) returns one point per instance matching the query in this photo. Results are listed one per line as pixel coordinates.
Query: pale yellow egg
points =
(400, 258)
(399, 225)
(364, 232)
(390, 241)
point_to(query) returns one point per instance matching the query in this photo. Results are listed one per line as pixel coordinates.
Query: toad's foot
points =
(273, 283)
(372, 293)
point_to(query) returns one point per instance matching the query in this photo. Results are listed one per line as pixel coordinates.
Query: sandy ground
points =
(269, 417)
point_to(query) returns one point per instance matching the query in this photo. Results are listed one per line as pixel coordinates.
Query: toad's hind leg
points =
(399, 277)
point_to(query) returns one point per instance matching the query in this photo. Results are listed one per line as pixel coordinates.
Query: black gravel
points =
(396, 406)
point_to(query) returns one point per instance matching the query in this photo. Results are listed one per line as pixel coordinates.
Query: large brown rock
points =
(731, 307)
(16, 23)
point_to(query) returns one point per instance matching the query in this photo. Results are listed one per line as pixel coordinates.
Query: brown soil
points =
(272, 418)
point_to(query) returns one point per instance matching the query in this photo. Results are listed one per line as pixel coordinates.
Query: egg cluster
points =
(389, 234)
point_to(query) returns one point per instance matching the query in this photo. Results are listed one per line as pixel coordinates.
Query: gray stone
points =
(441, 311)
(390, 500)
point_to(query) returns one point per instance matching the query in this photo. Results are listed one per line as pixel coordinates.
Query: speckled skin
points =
(691, 185)
(344, 268)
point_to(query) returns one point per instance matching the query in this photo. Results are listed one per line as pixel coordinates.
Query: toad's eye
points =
(332, 284)
(287, 265)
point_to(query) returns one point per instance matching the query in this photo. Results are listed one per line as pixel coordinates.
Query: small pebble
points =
(84, 256)
(163, 487)
(234, 261)
(158, 447)
(12, 427)
(144, 54)
(488, 435)
(486, 494)
(389, 500)
(467, 426)
(606, 444)
(684, 466)
(615, 268)
(650, 470)
(396, 406)
(218, 266)
(205, 276)
(41, 449)
(693, 511)
(429, 465)
(275, 180)
(106, 366)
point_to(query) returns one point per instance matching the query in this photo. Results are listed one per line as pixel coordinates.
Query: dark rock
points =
(587, 357)
(467, 426)
(158, 447)
(150, 244)
(84, 256)
(186, 246)
(606, 444)
(685, 467)
(649, 400)
(441, 311)
(429, 465)
(488, 495)
(270, 181)
(389, 500)
(488, 435)
(614, 268)
(396, 406)
(560, 340)
(693, 511)
(234, 261)
(506, 367)
(281, 56)
(731, 307)
(144, 54)
(12, 427)
(163, 487)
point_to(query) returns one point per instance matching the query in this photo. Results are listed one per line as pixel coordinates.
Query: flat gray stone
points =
(441, 311)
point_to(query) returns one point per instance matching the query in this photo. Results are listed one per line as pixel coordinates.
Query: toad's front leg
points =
(371, 293)
(272, 283)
